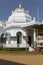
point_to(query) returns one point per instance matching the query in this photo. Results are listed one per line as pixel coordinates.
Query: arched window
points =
(19, 39)
(8, 35)
(2, 35)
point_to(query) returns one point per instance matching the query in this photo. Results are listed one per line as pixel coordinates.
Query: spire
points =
(34, 18)
(27, 11)
(19, 5)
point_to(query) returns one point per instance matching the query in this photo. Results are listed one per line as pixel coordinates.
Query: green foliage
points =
(41, 44)
(13, 49)
(1, 48)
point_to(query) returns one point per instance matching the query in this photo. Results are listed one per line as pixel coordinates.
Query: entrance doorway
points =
(29, 40)
(19, 35)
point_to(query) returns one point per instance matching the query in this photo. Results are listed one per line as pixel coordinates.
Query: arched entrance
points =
(19, 39)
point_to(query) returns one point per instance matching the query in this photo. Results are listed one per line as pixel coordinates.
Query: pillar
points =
(34, 38)
(8, 40)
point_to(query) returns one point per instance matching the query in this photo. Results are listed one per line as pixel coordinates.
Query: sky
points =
(34, 7)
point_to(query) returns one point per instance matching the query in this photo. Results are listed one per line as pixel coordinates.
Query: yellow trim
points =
(20, 8)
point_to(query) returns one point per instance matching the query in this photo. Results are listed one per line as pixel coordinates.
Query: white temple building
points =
(21, 30)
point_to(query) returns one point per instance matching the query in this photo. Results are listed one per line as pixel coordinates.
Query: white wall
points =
(1, 31)
(13, 43)
(13, 31)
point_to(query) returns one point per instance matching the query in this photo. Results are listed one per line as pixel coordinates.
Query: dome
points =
(19, 15)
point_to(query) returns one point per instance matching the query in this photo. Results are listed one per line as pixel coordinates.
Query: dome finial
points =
(34, 18)
(19, 5)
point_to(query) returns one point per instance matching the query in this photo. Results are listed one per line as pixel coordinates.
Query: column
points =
(8, 40)
(34, 38)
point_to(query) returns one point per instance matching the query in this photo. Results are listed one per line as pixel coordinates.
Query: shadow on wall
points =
(5, 62)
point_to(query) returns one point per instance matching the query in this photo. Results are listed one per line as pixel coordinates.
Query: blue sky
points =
(6, 7)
